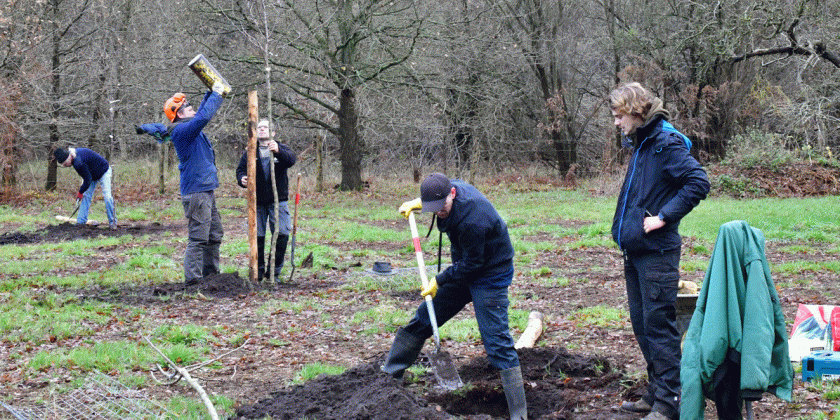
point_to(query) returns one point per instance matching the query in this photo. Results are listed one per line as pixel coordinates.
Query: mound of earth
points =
(72, 231)
(222, 285)
(556, 382)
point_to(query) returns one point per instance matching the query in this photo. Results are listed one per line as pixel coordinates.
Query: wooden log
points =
(73, 220)
(253, 115)
(687, 287)
(532, 331)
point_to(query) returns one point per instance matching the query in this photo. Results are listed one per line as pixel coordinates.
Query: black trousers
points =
(652, 281)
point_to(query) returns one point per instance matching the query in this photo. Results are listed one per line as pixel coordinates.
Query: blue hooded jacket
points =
(662, 179)
(195, 153)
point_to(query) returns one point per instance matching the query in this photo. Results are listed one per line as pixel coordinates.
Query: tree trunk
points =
(52, 173)
(352, 146)
(319, 160)
(566, 152)
(162, 168)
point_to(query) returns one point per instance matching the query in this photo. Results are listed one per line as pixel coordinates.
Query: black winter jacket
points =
(285, 159)
(662, 179)
(480, 244)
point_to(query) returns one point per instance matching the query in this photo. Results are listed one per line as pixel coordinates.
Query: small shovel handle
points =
(415, 237)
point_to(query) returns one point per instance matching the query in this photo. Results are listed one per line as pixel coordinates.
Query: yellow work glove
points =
(431, 289)
(410, 206)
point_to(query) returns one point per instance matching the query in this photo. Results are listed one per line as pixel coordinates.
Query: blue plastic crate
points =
(824, 365)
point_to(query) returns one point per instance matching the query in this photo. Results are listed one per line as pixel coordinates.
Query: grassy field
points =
(51, 335)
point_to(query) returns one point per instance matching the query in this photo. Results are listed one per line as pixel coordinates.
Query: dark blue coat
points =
(662, 179)
(195, 153)
(285, 158)
(480, 244)
(90, 166)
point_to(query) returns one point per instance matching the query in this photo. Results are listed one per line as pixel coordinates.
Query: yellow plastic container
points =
(207, 73)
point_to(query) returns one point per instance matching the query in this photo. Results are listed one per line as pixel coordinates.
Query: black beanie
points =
(61, 155)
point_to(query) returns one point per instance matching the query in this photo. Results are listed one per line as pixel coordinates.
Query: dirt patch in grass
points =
(73, 231)
(578, 371)
(556, 383)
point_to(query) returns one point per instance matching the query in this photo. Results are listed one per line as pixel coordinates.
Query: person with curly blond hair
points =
(663, 184)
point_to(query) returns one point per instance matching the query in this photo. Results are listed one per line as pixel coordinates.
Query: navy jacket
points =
(90, 166)
(195, 153)
(481, 247)
(285, 158)
(662, 179)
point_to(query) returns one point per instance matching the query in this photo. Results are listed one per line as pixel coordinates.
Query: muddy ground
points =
(575, 372)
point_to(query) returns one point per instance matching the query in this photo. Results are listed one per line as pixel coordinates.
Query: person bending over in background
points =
(481, 271)
(199, 179)
(94, 169)
(663, 184)
(283, 158)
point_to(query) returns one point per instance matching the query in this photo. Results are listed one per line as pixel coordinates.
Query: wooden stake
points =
(253, 115)
(532, 331)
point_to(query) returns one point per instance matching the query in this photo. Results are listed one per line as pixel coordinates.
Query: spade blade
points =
(445, 372)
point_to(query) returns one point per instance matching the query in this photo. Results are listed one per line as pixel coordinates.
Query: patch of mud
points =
(223, 285)
(558, 385)
(360, 393)
(72, 231)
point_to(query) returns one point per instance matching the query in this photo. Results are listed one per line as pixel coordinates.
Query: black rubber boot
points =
(404, 352)
(280, 253)
(515, 393)
(260, 257)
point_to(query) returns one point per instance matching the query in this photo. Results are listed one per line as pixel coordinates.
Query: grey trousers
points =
(201, 258)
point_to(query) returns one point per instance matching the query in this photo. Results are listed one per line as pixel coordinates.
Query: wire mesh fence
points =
(100, 398)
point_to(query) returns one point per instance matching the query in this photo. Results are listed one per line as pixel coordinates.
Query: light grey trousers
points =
(201, 258)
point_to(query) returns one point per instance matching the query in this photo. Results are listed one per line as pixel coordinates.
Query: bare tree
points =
(554, 39)
(325, 53)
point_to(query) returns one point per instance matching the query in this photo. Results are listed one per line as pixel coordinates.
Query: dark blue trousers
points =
(652, 282)
(491, 312)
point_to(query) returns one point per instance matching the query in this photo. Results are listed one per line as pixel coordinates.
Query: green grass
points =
(796, 267)
(380, 318)
(601, 316)
(346, 232)
(194, 409)
(312, 370)
(109, 356)
(50, 317)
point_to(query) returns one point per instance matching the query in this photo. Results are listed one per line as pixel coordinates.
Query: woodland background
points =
(362, 88)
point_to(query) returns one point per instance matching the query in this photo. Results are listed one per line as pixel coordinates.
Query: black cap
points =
(61, 155)
(433, 192)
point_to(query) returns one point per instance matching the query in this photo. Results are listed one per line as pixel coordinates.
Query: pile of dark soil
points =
(223, 285)
(556, 382)
(72, 231)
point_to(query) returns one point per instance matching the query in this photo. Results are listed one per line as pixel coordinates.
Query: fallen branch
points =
(186, 375)
(174, 377)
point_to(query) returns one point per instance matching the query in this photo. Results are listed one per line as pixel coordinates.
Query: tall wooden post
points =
(253, 116)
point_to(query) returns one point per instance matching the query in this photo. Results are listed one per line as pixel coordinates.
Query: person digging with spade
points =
(481, 271)
(94, 169)
(270, 151)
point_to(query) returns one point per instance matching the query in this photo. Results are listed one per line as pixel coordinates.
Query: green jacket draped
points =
(738, 309)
